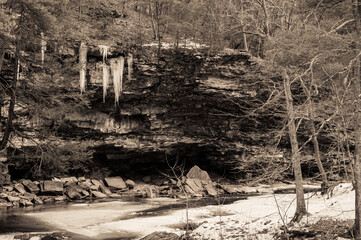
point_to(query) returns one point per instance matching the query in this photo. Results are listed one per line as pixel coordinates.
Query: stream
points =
(129, 218)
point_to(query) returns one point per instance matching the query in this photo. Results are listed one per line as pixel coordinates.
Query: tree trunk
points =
(316, 148)
(266, 18)
(2, 56)
(300, 201)
(152, 20)
(43, 48)
(83, 51)
(9, 122)
(244, 35)
(157, 13)
(357, 164)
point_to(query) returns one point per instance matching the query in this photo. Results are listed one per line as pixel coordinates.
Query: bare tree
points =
(292, 131)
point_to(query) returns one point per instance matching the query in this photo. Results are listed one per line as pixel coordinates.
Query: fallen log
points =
(292, 189)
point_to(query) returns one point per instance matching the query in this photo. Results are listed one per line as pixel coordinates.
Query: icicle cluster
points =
(130, 65)
(43, 47)
(104, 50)
(117, 68)
(82, 61)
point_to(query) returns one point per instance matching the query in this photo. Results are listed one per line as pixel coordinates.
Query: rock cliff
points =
(188, 105)
(200, 108)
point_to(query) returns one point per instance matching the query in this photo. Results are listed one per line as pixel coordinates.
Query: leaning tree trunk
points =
(300, 201)
(316, 148)
(357, 163)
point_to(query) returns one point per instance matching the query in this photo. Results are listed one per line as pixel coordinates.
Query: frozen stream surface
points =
(116, 219)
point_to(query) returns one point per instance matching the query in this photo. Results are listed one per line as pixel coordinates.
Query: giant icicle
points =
(82, 62)
(105, 80)
(117, 67)
(130, 65)
(104, 50)
(43, 47)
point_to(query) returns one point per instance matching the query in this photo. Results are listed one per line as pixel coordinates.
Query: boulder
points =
(47, 200)
(98, 194)
(20, 188)
(211, 190)
(60, 198)
(188, 190)
(97, 182)
(229, 189)
(105, 190)
(161, 236)
(53, 187)
(149, 192)
(94, 188)
(25, 203)
(31, 186)
(81, 179)
(69, 179)
(73, 192)
(8, 188)
(85, 185)
(114, 195)
(195, 185)
(197, 173)
(37, 200)
(85, 193)
(28, 196)
(130, 183)
(13, 199)
(115, 183)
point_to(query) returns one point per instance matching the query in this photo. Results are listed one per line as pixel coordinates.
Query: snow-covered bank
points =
(263, 216)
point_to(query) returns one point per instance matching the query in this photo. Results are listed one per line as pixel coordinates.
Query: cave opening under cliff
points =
(133, 164)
